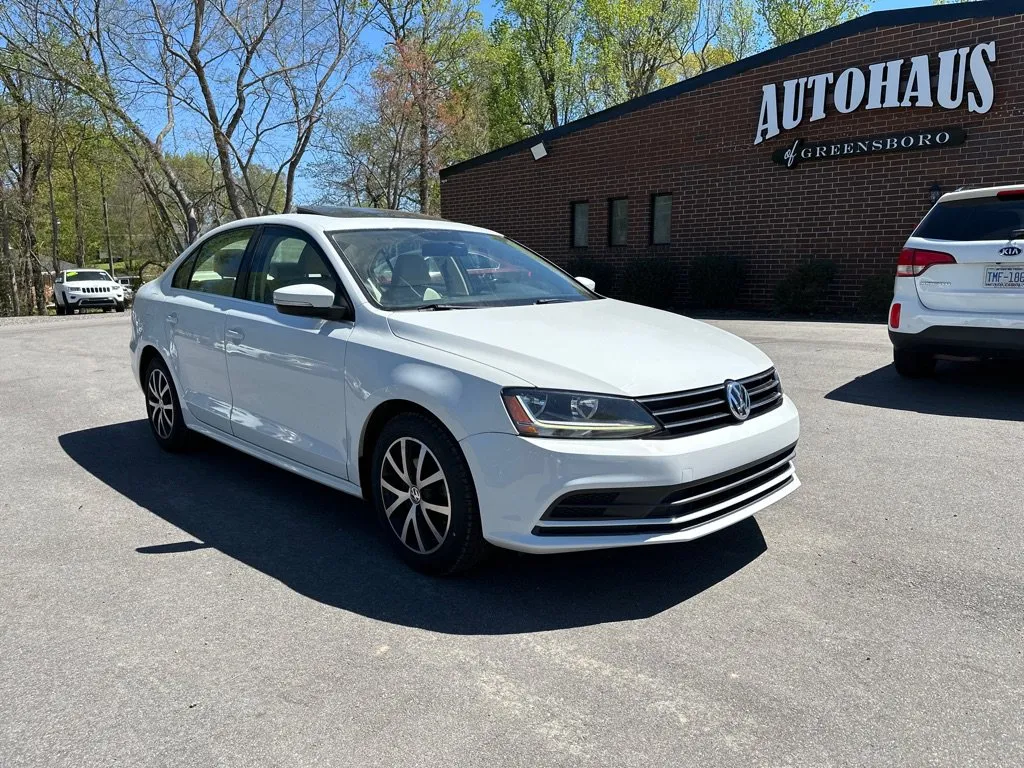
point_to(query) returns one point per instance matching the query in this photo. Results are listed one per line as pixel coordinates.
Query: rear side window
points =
(183, 272)
(980, 218)
(218, 262)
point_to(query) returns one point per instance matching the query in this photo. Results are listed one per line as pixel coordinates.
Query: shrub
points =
(651, 280)
(803, 291)
(876, 296)
(715, 281)
(601, 272)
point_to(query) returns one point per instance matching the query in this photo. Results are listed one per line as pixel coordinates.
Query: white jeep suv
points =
(960, 282)
(467, 388)
(80, 289)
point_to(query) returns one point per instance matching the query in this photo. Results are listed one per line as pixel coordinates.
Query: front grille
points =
(672, 508)
(93, 289)
(699, 410)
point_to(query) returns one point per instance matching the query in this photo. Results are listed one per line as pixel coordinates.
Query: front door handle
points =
(234, 334)
(173, 318)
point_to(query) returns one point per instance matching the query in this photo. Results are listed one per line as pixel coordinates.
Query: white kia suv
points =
(469, 389)
(81, 289)
(960, 282)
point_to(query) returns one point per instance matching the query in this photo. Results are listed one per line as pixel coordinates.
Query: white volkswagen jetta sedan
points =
(468, 388)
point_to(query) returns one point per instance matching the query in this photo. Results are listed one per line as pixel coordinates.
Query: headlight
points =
(548, 413)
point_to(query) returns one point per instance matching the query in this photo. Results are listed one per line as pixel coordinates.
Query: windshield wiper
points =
(553, 300)
(440, 307)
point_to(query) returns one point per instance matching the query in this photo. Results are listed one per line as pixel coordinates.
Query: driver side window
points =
(287, 257)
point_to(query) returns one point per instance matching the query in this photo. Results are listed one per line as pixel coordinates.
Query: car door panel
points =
(195, 319)
(287, 372)
(195, 329)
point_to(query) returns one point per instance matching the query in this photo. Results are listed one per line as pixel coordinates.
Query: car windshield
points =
(86, 274)
(449, 269)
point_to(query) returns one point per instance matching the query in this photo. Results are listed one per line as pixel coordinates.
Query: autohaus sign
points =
(896, 84)
(800, 152)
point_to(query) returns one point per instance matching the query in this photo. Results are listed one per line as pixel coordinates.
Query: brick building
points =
(830, 147)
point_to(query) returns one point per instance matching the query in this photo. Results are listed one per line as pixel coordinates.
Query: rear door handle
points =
(173, 318)
(234, 334)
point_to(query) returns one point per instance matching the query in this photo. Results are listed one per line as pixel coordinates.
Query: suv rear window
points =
(979, 218)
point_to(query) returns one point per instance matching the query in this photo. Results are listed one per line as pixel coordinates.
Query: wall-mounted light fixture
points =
(539, 151)
(935, 193)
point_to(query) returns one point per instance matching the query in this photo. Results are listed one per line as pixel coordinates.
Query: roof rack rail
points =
(353, 212)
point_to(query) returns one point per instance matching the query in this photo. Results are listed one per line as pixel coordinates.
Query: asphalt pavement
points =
(207, 609)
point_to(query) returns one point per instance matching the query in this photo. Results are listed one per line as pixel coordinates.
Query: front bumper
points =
(79, 302)
(520, 481)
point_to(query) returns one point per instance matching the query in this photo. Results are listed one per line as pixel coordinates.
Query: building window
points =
(580, 224)
(661, 219)
(618, 221)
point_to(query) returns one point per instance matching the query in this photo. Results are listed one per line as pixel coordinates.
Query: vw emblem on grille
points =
(738, 399)
(1010, 250)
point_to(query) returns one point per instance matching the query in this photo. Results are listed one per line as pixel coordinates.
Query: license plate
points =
(998, 276)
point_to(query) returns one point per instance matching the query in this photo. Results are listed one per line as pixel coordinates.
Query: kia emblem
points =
(1010, 250)
(738, 399)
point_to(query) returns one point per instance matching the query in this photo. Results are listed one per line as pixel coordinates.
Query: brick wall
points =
(728, 195)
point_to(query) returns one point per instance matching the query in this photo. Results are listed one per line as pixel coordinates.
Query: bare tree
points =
(23, 163)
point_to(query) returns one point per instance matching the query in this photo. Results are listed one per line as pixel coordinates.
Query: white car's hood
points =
(602, 346)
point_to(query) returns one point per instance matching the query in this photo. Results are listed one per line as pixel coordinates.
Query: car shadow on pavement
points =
(990, 390)
(327, 546)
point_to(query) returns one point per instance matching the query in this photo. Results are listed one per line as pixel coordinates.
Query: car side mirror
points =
(311, 300)
(586, 282)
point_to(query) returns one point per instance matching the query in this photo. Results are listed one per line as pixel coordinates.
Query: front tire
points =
(163, 408)
(913, 363)
(59, 308)
(120, 306)
(424, 496)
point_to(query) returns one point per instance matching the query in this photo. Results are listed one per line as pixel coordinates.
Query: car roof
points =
(323, 222)
(967, 194)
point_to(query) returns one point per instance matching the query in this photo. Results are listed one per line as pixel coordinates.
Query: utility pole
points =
(106, 223)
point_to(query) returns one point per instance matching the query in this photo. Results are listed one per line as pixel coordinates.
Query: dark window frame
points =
(653, 218)
(611, 222)
(572, 224)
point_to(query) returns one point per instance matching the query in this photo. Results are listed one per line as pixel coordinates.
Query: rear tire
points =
(913, 363)
(424, 496)
(163, 408)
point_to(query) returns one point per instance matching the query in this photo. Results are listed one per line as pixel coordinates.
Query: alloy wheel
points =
(161, 404)
(417, 501)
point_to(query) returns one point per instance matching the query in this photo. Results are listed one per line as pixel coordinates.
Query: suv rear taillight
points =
(914, 261)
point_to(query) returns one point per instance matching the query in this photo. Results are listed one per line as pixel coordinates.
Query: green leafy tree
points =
(788, 20)
(640, 45)
(540, 63)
